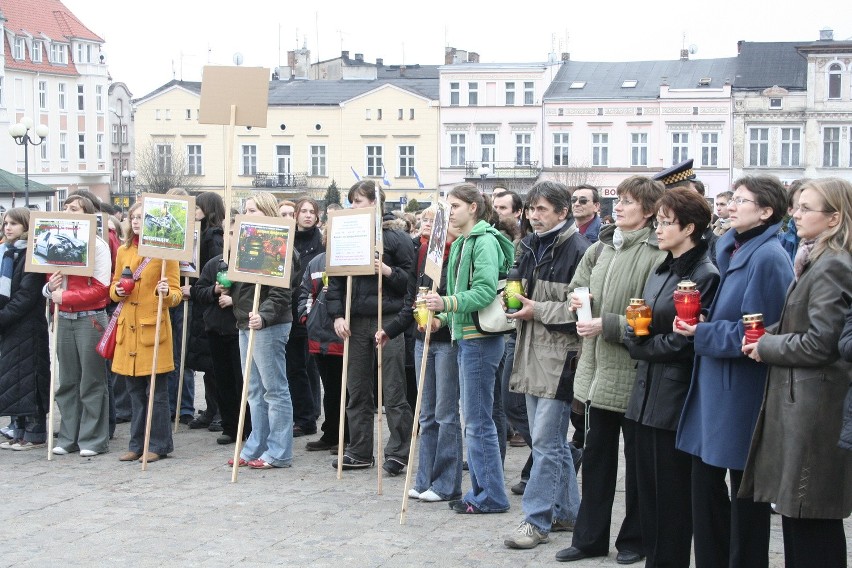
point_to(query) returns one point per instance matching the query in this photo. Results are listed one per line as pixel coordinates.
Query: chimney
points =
(566, 56)
(402, 70)
(740, 46)
(826, 34)
(359, 57)
(344, 54)
(380, 62)
(684, 55)
(291, 59)
(473, 57)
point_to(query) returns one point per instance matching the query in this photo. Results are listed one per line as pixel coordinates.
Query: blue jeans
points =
(187, 399)
(478, 361)
(552, 492)
(439, 465)
(271, 436)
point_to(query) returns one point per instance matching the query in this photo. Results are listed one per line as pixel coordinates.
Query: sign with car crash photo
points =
(168, 225)
(263, 250)
(61, 242)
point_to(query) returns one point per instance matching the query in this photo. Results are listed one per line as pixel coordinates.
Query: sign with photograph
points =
(437, 242)
(61, 242)
(263, 250)
(168, 223)
(351, 242)
(190, 268)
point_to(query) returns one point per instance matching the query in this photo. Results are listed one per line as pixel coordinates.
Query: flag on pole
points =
(385, 176)
(417, 177)
(354, 173)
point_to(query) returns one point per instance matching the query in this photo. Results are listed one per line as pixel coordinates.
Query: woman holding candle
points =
(794, 461)
(724, 397)
(664, 366)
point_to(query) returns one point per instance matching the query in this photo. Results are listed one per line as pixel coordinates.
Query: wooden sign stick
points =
(244, 398)
(182, 357)
(416, 422)
(229, 167)
(343, 376)
(150, 416)
(379, 423)
(53, 369)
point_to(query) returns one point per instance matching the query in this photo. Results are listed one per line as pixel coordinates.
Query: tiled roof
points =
(764, 64)
(194, 86)
(13, 183)
(409, 72)
(319, 93)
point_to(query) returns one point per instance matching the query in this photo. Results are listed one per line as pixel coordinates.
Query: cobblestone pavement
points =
(184, 511)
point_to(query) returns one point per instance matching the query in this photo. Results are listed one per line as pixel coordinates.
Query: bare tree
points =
(577, 173)
(162, 166)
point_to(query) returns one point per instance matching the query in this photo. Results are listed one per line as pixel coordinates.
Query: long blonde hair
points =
(265, 202)
(836, 195)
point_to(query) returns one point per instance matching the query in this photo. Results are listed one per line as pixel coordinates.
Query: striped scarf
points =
(7, 266)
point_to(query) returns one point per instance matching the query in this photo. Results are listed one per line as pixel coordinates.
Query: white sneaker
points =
(525, 536)
(88, 453)
(431, 497)
(60, 451)
(8, 432)
(23, 446)
(413, 493)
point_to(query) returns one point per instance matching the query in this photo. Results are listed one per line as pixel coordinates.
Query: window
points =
(523, 149)
(629, 84)
(124, 134)
(43, 149)
(368, 114)
(18, 48)
(59, 53)
(100, 147)
(529, 92)
(831, 147)
(457, 149)
(400, 114)
(406, 161)
(249, 159)
(577, 84)
(639, 149)
(193, 160)
(600, 149)
(472, 94)
(318, 160)
(411, 114)
(454, 94)
(710, 149)
(488, 146)
(758, 147)
(82, 55)
(188, 114)
(510, 93)
(164, 158)
(378, 114)
(561, 150)
(374, 161)
(791, 144)
(99, 98)
(775, 104)
(63, 146)
(61, 91)
(42, 95)
(81, 97)
(680, 147)
(81, 146)
(36, 51)
(157, 114)
(834, 81)
(282, 159)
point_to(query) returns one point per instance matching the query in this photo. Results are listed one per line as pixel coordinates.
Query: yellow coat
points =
(134, 349)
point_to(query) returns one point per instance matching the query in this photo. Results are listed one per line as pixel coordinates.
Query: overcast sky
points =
(149, 43)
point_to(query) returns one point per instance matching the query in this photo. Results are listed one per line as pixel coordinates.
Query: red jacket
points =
(83, 294)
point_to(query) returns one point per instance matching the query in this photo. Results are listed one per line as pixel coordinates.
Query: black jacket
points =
(308, 244)
(274, 307)
(24, 352)
(321, 337)
(665, 358)
(845, 346)
(197, 348)
(398, 289)
(206, 302)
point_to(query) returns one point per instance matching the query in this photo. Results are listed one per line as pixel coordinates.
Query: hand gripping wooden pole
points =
(182, 357)
(150, 415)
(343, 377)
(53, 369)
(246, 379)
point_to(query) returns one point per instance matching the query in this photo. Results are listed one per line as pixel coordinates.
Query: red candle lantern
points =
(753, 324)
(638, 315)
(126, 281)
(687, 302)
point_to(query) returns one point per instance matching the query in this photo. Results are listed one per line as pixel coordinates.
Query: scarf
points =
(7, 266)
(803, 257)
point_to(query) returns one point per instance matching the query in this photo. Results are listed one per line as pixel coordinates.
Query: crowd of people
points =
(719, 427)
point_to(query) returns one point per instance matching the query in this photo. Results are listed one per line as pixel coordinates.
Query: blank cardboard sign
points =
(245, 87)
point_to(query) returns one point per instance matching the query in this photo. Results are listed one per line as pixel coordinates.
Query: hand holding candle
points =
(687, 302)
(754, 330)
(639, 316)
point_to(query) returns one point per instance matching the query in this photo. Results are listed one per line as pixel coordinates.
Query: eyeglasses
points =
(805, 210)
(580, 200)
(740, 200)
(624, 202)
(136, 218)
(664, 224)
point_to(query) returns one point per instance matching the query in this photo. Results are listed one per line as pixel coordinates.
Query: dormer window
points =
(834, 81)
(629, 84)
(36, 51)
(18, 49)
(704, 81)
(577, 84)
(58, 54)
(84, 53)
(775, 103)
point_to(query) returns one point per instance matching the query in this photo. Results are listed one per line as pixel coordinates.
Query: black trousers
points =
(304, 415)
(729, 533)
(331, 374)
(814, 543)
(225, 354)
(600, 471)
(664, 484)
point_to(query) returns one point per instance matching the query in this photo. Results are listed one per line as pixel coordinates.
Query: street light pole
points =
(22, 134)
(120, 150)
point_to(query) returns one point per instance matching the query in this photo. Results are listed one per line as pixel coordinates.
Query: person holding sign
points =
(477, 258)
(24, 351)
(270, 443)
(82, 396)
(397, 268)
(135, 340)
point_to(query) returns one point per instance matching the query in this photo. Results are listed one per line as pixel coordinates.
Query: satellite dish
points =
(238, 58)
(693, 49)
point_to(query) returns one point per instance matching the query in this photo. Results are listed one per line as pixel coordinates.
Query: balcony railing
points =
(269, 179)
(505, 170)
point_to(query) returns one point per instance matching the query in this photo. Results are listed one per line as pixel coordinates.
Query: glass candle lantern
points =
(421, 312)
(753, 324)
(126, 281)
(639, 316)
(513, 286)
(222, 274)
(687, 302)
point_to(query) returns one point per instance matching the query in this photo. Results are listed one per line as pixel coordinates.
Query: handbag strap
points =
(138, 273)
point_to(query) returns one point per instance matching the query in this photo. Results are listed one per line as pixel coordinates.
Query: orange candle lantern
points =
(687, 302)
(753, 324)
(639, 316)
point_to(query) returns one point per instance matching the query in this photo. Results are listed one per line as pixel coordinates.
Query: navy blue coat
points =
(727, 387)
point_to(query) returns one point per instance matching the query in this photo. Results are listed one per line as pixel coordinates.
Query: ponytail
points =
(469, 193)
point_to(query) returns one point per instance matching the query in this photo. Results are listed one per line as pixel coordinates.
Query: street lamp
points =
(22, 134)
(129, 176)
(483, 172)
(120, 146)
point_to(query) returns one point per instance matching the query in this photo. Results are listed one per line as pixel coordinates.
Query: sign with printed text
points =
(351, 242)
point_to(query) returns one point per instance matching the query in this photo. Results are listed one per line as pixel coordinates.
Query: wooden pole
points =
(416, 422)
(379, 421)
(229, 168)
(343, 376)
(182, 357)
(244, 398)
(53, 369)
(150, 416)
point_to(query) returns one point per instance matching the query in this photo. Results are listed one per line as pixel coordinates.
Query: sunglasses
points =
(580, 200)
